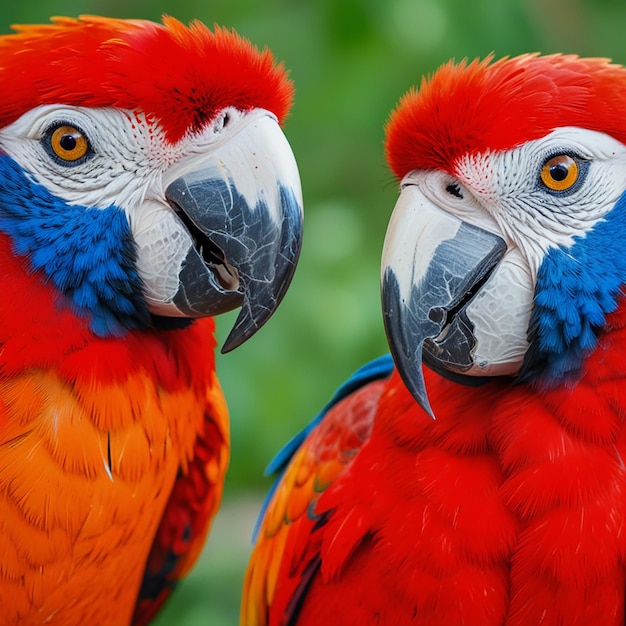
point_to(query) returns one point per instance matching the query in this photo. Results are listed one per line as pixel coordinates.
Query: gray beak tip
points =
(417, 388)
(234, 340)
(229, 348)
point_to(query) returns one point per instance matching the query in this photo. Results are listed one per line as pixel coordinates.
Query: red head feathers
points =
(479, 106)
(181, 75)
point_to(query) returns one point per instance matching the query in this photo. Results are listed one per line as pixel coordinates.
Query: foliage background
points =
(350, 60)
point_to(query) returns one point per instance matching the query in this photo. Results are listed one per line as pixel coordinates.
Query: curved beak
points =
(432, 265)
(242, 205)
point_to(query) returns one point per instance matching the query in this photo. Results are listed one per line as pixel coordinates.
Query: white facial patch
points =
(508, 186)
(162, 246)
(129, 155)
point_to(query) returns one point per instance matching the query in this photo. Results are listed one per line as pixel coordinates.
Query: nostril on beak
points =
(454, 189)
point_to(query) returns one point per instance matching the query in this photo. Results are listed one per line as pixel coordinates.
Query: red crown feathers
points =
(181, 75)
(484, 105)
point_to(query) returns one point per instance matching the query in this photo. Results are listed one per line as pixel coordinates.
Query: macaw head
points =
(144, 174)
(503, 256)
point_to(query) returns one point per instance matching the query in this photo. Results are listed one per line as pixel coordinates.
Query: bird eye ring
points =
(560, 172)
(67, 144)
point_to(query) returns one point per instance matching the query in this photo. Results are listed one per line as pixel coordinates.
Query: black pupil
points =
(558, 172)
(68, 142)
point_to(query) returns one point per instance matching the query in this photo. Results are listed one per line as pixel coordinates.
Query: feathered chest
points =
(508, 509)
(92, 435)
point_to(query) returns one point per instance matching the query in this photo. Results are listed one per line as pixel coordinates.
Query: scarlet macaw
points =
(145, 186)
(502, 285)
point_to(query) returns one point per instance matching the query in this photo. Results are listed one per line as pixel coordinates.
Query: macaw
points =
(145, 187)
(480, 479)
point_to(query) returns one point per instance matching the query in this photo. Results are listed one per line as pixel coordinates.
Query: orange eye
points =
(69, 143)
(559, 173)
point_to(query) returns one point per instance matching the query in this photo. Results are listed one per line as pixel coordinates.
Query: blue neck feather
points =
(576, 288)
(88, 254)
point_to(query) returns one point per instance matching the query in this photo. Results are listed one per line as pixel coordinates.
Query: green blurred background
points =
(350, 60)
